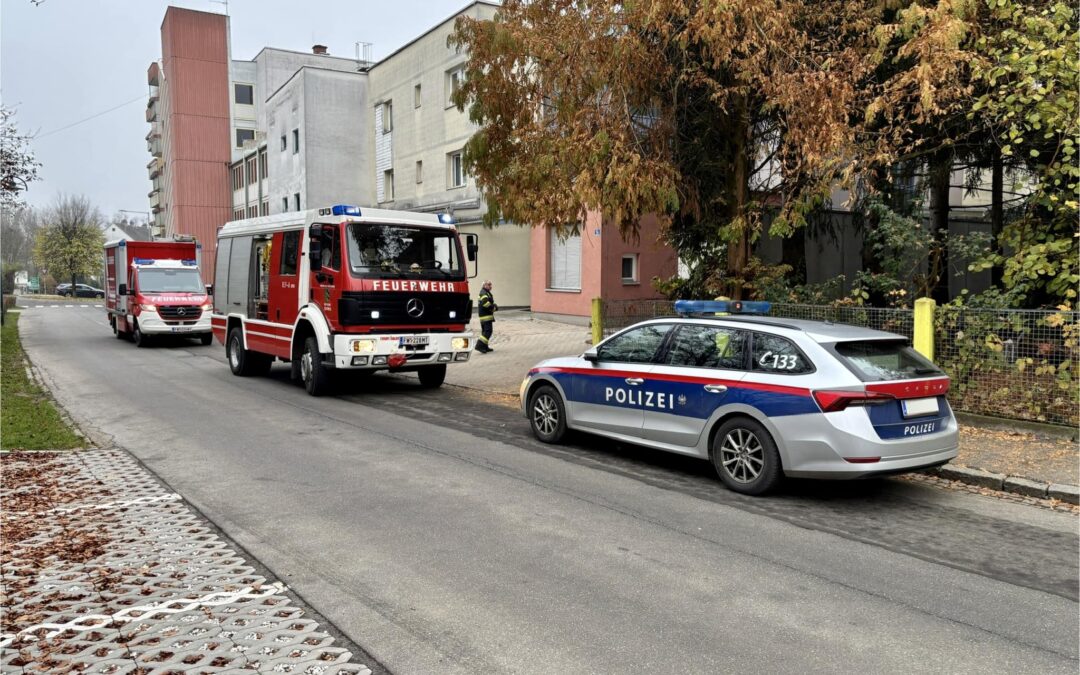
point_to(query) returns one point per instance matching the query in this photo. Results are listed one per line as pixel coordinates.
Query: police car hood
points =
(561, 362)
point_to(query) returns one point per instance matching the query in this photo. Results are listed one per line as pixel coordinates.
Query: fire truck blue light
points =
(345, 210)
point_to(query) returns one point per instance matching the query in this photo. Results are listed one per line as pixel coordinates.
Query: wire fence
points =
(1015, 364)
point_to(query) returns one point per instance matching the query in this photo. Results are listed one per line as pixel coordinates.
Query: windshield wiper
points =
(926, 371)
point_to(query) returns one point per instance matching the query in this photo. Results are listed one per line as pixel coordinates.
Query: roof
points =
(298, 219)
(819, 331)
(134, 232)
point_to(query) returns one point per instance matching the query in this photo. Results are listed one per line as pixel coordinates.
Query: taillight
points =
(833, 401)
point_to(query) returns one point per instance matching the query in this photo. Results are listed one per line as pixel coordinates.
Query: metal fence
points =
(1015, 364)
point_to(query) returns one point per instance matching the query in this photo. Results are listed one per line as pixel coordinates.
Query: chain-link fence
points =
(1016, 364)
(1019, 364)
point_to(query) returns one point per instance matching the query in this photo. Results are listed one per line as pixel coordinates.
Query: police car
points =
(761, 397)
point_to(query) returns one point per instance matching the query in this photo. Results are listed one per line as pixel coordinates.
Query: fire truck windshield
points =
(170, 281)
(403, 251)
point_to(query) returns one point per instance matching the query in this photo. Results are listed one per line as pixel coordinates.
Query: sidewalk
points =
(1031, 463)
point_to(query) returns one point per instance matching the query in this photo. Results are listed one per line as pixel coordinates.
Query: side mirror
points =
(471, 247)
(209, 289)
(121, 289)
(590, 356)
(315, 248)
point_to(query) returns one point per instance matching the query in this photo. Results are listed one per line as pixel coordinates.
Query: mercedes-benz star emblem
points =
(181, 312)
(415, 308)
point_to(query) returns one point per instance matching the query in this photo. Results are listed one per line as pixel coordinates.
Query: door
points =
(609, 395)
(284, 292)
(699, 372)
(326, 283)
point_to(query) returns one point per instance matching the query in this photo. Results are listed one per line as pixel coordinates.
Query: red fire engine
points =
(343, 289)
(154, 288)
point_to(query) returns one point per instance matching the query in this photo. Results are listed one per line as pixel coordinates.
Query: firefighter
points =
(487, 318)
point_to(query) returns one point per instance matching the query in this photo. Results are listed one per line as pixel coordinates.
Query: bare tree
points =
(18, 228)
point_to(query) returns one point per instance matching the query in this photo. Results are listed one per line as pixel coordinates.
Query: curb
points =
(1005, 483)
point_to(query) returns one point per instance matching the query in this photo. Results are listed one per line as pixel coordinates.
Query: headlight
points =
(147, 308)
(460, 343)
(207, 307)
(363, 345)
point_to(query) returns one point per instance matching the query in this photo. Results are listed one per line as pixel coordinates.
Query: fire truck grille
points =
(404, 308)
(179, 312)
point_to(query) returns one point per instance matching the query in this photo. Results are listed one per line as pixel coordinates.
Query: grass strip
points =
(28, 418)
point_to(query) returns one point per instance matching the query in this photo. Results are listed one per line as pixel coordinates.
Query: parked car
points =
(63, 289)
(760, 397)
(86, 291)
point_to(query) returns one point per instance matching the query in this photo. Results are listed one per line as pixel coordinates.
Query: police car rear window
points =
(882, 360)
(774, 354)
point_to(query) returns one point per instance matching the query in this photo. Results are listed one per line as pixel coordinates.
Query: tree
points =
(710, 115)
(18, 228)
(18, 168)
(69, 244)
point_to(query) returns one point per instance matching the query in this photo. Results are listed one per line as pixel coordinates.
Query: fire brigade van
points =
(344, 289)
(154, 288)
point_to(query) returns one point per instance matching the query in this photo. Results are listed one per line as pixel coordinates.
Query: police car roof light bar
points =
(712, 307)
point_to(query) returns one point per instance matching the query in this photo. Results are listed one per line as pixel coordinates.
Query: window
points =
(295, 141)
(630, 268)
(290, 249)
(637, 345)
(424, 253)
(284, 204)
(885, 360)
(238, 214)
(251, 171)
(264, 209)
(455, 170)
(774, 354)
(296, 200)
(416, 97)
(244, 135)
(331, 251)
(454, 79)
(284, 143)
(221, 274)
(244, 94)
(708, 347)
(238, 177)
(565, 262)
(262, 164)
(388, 185)
(387, 117)
(252, 211)
(419, 172)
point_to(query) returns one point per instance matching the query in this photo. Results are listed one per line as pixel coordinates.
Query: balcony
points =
(153, 74)
(152, 108)
(154, 166)
(155, 200)
(153, 145)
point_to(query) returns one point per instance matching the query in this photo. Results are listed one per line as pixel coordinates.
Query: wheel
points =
(547, 414)
(206, 339)
(244, 362)
(315, 375)
(99, 295)
(432, 376)
(745, 456)
(141, 341)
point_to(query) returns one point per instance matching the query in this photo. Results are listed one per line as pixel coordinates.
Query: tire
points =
(244, 362)
(99, 296)
(141, 341)
(744, 455)
(206, 339)
(315, 376)
(432, 377)
(547, 414)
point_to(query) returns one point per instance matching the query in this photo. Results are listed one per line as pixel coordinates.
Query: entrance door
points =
(284, 291)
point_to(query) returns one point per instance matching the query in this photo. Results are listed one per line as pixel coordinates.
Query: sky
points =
(64, 61)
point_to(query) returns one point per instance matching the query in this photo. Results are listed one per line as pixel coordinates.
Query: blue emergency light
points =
(446, 219)
(345, 210)
(722, 307)
(189, 263)
(144, 261)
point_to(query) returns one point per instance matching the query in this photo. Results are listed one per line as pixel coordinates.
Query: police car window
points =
(774, 354)
(708, 347)
(637, 345)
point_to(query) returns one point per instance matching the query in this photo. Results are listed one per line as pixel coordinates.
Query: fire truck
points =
(344, 289)
(154, 288)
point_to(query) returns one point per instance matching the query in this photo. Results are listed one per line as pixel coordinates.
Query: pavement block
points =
(994, 481)
(1024, 486)
(1066, 493)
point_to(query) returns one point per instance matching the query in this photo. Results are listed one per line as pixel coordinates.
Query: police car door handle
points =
(715, 388)
(634, 380)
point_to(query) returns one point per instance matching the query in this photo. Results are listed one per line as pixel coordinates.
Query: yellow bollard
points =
(597, 320)
(924, 327)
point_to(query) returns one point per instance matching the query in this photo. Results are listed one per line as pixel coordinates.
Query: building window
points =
(388, 185)
(564, 272)
(238, 214)
(253, 211)
(387, 117)
(416, 96)
(455, 170)
(295, 141)
(419, 172)
(296, 200)
(284, 143)
(454, 79)
(238, 177)
(244, 94)
(262, 164)
(251, 171)
(290, 251)
(284, 204)
(264, 209)
(630, 268)
(244, 135)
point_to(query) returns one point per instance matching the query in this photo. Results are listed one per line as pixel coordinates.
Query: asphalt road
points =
(438, 535)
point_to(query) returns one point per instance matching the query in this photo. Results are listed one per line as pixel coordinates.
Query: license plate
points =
(413, 340)
(180, 329)
(918, 407)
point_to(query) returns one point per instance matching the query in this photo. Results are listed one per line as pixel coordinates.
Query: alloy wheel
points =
(545, 414)
(742, 455)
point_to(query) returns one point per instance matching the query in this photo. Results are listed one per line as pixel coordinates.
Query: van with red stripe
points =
(762, 398)
(344, 290)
